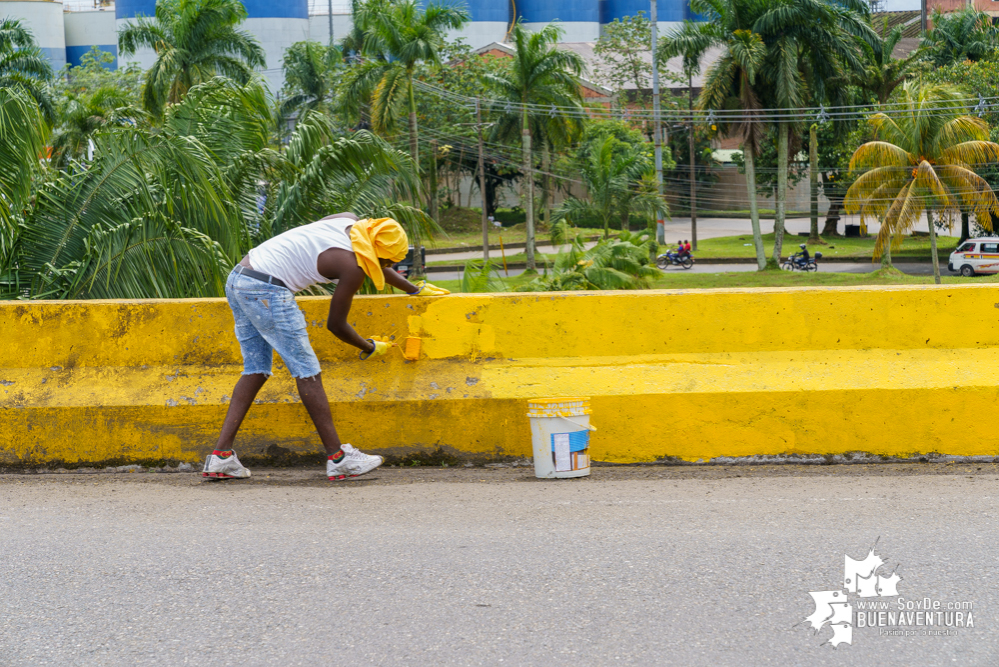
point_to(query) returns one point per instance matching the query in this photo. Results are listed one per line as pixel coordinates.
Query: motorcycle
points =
(797, 262)
(672, 259)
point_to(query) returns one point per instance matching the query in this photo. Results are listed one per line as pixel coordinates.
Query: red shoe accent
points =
(334, 478)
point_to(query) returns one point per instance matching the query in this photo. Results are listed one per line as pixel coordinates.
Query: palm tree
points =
(621, 263)
(553, 132)
(730, 83)
(308, 70)
(23, 65)
(965, 35)
(539, 73)
(194, 41)
(398, 36)
(812, 45)
(883, 72)
(22, 138)
(167, 212)
(609, 172)
(82, 115)
(881, 75)
(922, 159)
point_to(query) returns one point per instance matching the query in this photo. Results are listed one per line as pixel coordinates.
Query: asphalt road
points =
(913, 268)
(642, 566)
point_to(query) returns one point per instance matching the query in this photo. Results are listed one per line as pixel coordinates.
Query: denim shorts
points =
(268, 319)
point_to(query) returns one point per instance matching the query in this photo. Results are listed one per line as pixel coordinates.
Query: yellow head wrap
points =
(375, 238)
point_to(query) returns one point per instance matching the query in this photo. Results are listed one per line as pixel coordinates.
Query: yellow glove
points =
(426, 289)
(381, 347)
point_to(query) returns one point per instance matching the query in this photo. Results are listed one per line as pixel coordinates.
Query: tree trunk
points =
(414, 152)
(547, 195)
(693, 180)
(886, 255)
(625, 219)
(933, 246)
(965, 229)
(754, 214)
(432, 195)
(527, 198)
(813, 182)
(781, 198)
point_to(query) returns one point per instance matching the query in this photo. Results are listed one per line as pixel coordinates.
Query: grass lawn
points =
(769, 279)
(861, 248)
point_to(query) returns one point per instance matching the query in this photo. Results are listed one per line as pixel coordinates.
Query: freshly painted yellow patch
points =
(887, 370)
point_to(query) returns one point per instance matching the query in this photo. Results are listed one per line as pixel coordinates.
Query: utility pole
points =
(331, 21)
(813, 182)
(433, 181)
(657, 126)
(482, 183)
(922, 15)
(690, 139)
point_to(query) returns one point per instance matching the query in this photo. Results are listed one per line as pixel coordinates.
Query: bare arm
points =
(393, 278)
(343, 296)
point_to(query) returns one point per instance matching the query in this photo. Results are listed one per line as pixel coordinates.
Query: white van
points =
(975, 256)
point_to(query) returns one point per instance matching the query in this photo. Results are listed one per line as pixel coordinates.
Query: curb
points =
(461, 267)
(496, 246)
(450, 268)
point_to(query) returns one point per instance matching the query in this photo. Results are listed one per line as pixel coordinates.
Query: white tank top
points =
(293, 255)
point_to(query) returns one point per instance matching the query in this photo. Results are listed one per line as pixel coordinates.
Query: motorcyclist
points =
(675, 254)
(803, 256)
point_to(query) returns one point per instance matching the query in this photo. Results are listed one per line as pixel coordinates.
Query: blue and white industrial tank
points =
(277, 25)
(125, 13)
(87, 29)
(671, 12)
(579, 19)
(490, 21)
(44, 20)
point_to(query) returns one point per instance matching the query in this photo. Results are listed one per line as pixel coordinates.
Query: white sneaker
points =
(353, 463)
(227, 468)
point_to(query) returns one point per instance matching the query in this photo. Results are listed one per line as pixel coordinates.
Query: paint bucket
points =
(560, 430)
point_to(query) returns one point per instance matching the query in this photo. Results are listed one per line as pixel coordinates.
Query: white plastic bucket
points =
(560, 430)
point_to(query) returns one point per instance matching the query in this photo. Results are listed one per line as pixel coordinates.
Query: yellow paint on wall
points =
(890, 371)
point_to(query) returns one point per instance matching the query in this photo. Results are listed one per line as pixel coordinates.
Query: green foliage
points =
(23, 65)
(398, 37)
(310, 71)
(923, 159)
(82, 114)
(620, 263)
(882, 72)
(964, 35)
(623, 51)
(167, 213)
(481, 276)
(975, 78)
(22, 139)
(194, 40)
(94, 71)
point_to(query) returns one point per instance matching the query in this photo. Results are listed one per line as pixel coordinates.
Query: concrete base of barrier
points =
(672, 375)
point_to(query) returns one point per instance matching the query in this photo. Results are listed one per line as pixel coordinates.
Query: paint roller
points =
(410, 348)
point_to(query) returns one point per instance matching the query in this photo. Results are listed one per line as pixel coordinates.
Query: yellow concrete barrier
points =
(693, 374)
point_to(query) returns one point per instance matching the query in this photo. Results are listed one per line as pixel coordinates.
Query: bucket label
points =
(563, 455)
(569, 451)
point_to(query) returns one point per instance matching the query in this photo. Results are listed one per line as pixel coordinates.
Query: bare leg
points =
(242, 398)
(315, 401)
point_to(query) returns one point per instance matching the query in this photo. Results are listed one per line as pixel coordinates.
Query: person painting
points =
(261, 293)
